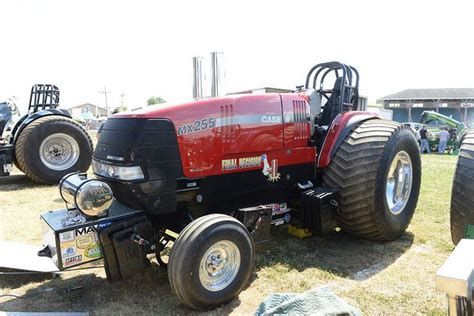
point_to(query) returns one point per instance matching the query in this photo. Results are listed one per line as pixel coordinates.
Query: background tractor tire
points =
(462, 196)
(51, 147)
(210, 246)
(368, 169)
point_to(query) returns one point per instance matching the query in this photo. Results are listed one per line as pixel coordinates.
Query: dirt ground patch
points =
(395, 277)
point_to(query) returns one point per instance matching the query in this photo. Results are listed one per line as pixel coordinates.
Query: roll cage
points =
(43, 97)
(343, 97)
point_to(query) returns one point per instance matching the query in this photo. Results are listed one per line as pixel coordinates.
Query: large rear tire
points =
(462, 196)
(51, 147)
(211, 261)
(377, 171)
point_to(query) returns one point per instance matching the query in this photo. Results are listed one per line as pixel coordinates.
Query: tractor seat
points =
(331, 108)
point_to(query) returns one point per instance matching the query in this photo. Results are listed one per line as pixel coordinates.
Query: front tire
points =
(377, 171)
(462, 196)
(211, 261)
(51, 147)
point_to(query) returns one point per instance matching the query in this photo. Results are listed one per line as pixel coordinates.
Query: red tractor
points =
(211, 177)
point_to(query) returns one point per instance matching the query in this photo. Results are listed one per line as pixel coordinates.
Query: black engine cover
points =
(152, 144)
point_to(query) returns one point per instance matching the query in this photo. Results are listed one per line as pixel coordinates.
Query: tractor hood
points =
(204, 126)
(191, 110)
(168, 142)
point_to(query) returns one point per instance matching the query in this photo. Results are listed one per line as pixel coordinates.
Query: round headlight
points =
(94, 198)
(91, 197)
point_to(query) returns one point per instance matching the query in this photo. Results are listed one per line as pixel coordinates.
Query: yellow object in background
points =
(301, 233)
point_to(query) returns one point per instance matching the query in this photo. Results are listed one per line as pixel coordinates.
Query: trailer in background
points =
(383, 113)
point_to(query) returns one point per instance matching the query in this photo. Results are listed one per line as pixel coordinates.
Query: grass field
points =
(395, 277)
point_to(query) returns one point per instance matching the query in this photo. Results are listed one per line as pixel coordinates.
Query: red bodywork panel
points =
(230, 134)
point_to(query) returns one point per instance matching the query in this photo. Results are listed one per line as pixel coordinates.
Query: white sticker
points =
(67, 236)
(278, 222)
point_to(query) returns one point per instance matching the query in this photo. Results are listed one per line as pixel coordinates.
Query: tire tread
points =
(182, 247)
(462, 196)
(354, 171)
(21, 150)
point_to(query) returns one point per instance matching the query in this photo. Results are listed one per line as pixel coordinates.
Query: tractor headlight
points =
(90, 196)
(126, 173)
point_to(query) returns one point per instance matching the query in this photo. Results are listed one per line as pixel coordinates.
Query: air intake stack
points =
(208, 76)
(197, 78)
(217, 74)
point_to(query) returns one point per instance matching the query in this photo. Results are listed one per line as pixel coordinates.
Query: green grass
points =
(395, 277)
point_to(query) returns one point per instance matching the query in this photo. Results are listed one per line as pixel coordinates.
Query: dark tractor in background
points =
(45, 143)
(462, 195)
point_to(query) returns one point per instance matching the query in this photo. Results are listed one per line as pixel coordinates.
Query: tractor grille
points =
(151, 144)
(299, 119)
(228, 128)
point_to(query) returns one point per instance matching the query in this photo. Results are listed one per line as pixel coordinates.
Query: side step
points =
(24, 257)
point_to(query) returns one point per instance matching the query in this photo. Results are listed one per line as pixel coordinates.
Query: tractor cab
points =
(331, 88)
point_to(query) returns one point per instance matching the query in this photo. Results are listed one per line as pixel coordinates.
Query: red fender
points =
(342, 125)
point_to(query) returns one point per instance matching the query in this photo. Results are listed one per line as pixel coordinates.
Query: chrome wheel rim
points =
(59, 151)
(219, 265)
(399, 182)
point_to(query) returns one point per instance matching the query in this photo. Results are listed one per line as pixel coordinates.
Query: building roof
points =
(87, 104)
(431, 94)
